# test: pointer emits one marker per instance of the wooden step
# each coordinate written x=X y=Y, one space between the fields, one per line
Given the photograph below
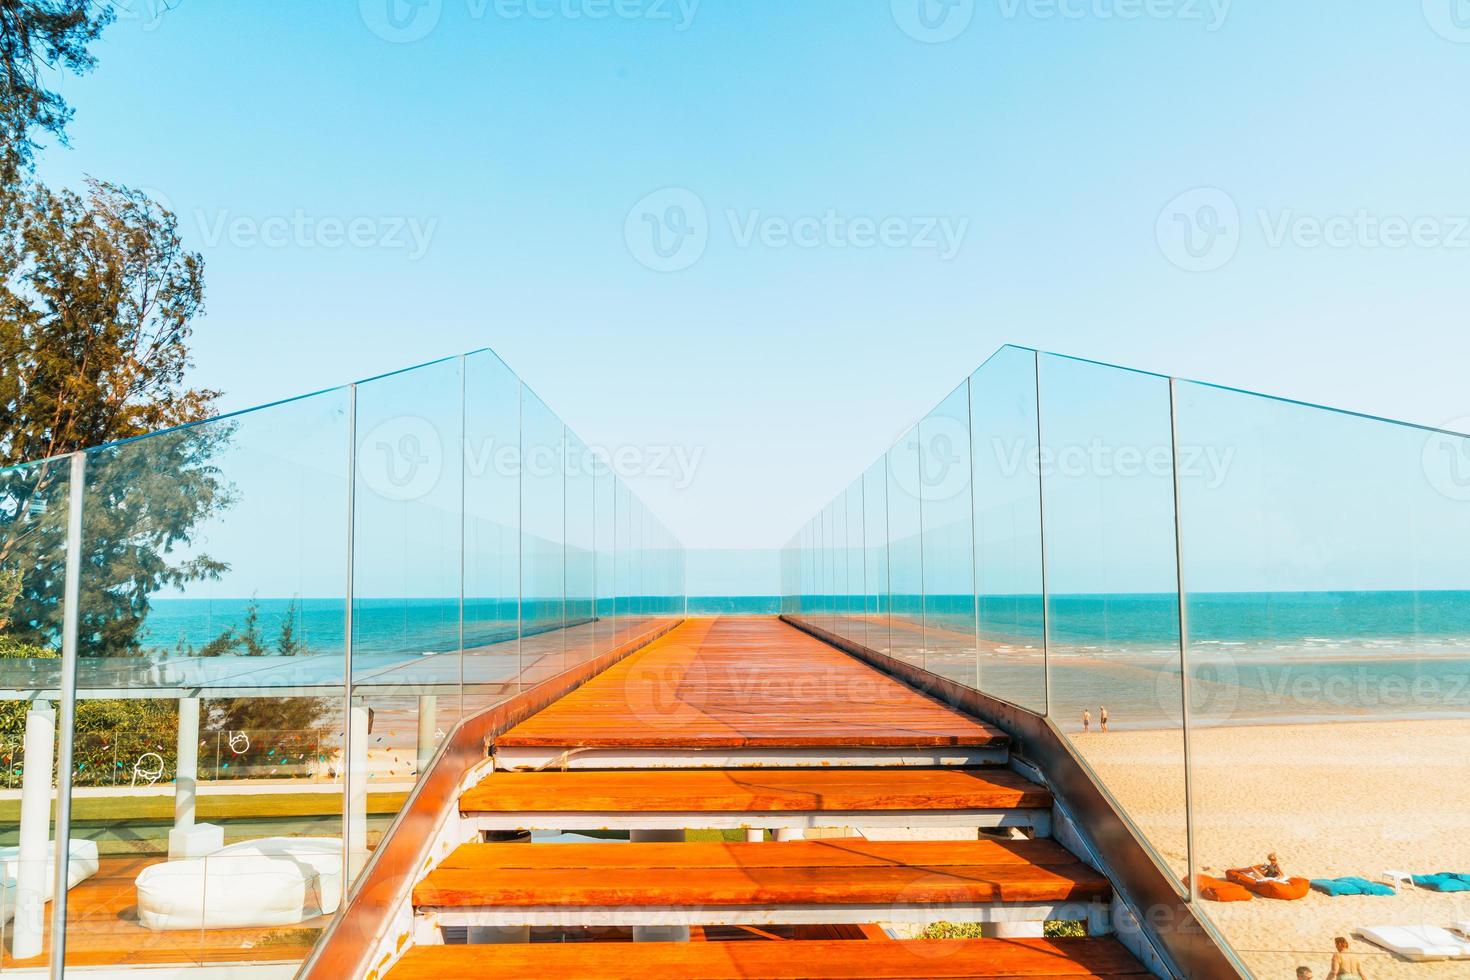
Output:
x=968 y=959
x=745 y=692
x=765 y=798
x=820 y=881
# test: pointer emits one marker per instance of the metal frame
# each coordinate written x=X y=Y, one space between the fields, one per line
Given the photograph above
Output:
x=1186 y=941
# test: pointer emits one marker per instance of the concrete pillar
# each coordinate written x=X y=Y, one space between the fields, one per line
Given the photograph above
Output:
x=790 y=833
x=659 y=934
x=754 y=836
x=1013 y=930
x=186 y=783
x=428 y=715
x=189 y=839
x=357 y=762
x=28 y=930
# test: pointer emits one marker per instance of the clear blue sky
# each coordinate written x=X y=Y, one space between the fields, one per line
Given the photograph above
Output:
x=519 y=144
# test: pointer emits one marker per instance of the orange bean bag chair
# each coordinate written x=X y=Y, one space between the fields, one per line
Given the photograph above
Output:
x=1220 y=890
x=1287 y=891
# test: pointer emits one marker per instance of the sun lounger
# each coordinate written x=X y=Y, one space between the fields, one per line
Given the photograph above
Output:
x=272 y=881
x=81 y=864
x=1338 y=887
x=1282 y=889
x=1418 y=943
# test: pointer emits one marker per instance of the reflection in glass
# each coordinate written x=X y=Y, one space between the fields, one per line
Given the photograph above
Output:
x=1113 y=604
x=948 y=539
x=1007 y=523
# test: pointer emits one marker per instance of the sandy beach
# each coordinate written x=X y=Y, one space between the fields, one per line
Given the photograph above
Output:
x=1332 y=799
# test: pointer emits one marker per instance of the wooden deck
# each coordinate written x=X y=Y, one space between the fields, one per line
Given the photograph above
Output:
x=754 y=791
x=975 y=959
x=740 y=683
x=759 y=875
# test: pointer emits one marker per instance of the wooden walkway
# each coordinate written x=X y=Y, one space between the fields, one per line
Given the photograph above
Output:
x=750 y=723
x=744 y=684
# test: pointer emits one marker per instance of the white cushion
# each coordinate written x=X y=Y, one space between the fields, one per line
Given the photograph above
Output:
x=82 y=863
x=272 y=881
x=1418 y=943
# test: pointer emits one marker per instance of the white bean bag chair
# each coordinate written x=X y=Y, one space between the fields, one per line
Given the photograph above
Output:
x=1419 y=943
x=81 y=864
x=273 y=881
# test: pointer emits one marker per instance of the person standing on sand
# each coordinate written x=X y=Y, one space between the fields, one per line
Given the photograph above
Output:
x=1086 y=720
x=1102 y=712
x=1345 y=965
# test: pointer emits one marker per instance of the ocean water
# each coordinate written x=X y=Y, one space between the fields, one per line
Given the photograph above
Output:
x=1253 y=656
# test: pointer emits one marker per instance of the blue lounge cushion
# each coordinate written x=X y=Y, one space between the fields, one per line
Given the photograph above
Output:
x=1335 y=887
x=1443 y=882
x=1338 y=887
x=1366 y=887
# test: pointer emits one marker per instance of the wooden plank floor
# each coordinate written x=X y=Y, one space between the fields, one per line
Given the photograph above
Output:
x=737 y=682
x=753 y=790
x=848 y=871
x=971 y=959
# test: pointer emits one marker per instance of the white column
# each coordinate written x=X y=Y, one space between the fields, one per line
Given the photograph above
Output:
x=790 y=833
x=28 y=930
x=357 y=761
x=428 y=715
x=754 y=836
x=186 y=783
x=189 y=839
x=658 y=934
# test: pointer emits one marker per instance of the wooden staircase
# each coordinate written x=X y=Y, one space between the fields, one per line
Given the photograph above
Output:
x=749 y=725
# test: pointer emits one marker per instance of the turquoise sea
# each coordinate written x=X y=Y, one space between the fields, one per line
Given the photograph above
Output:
x=1308 y=655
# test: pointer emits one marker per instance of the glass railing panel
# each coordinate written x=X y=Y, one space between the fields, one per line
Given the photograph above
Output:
x=1328 y=621
x=856 y=627
x=604 y=490
x=840 y=589
x=407 y=586
x=491 y=532
x=875 y=555
x=1006 y=488
x=905 y=551
x=543 y=541
x=946 y=517
x=1112 y=609
x=34 y=502
x=211 y=678
x=581 y=554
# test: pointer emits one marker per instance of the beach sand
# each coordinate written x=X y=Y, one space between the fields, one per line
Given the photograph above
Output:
x=1332 y=799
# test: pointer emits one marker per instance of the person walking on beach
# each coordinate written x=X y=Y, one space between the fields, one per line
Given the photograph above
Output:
x=1102 y=716
x=1304 y=973
x=1086 y=720
x=1345 y=965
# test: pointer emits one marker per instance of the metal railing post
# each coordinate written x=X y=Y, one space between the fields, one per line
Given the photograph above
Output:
x=67 y=714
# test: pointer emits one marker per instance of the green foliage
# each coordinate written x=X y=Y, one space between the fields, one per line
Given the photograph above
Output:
x=97 y=298
x=972 y=930
x=38 y=37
